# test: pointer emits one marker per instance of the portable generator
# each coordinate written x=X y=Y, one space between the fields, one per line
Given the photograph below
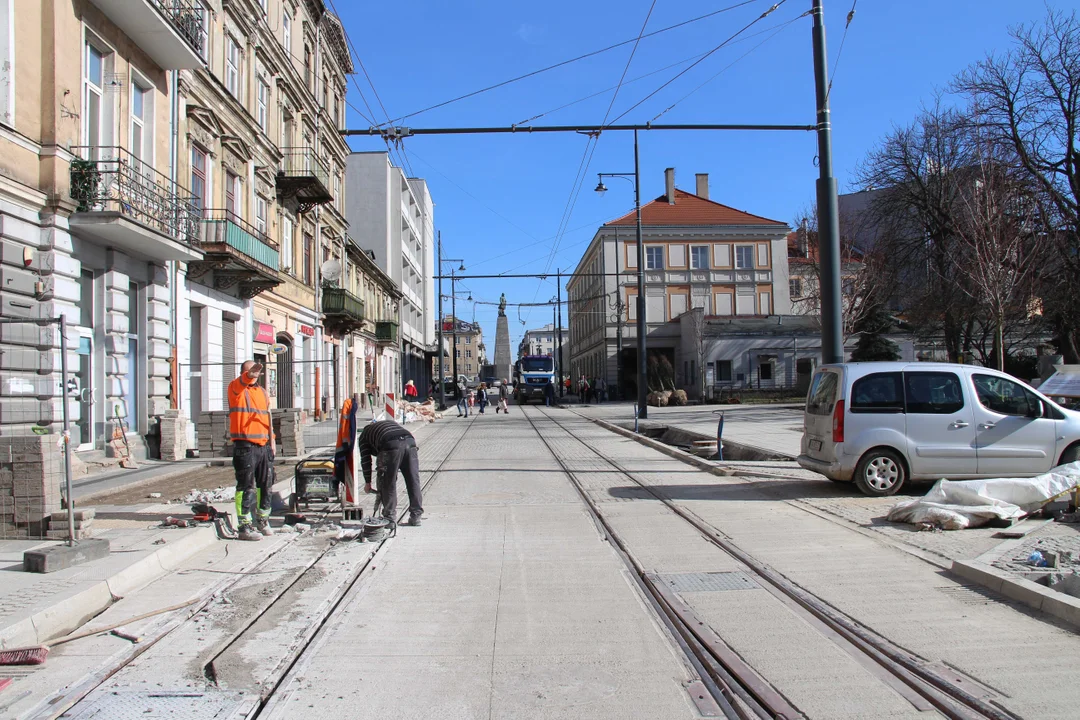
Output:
x=314 y=481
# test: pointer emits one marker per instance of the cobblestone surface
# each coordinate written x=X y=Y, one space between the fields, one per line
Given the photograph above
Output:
x=1053 y=537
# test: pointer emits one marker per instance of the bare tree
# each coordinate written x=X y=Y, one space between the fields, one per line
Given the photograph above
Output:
x=702 y=345
x=1028 y=99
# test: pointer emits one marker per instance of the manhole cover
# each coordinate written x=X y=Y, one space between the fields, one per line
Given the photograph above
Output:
x=128 y=705
x=709 y=582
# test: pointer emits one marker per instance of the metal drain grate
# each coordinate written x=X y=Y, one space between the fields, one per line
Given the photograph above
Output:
x=973 y=594
x=709 y=582
x=125 y=705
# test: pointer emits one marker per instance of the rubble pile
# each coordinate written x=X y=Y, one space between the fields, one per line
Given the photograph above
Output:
x=419 y=412
x=221 y=494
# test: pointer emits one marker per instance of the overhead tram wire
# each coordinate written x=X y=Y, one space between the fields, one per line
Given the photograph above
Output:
x=836 y=63
x=698 y=62
x=591 y=151
x=571 y=60
x=775 y=31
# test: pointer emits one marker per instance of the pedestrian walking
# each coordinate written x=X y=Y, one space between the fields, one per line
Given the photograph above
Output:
x=601 y=390
x=395 y=450
x=482 y=397
x=410 y=391
x=254 y=449
x=463 y=401
x=583 y=390
x=549 y=394
x=504 y=397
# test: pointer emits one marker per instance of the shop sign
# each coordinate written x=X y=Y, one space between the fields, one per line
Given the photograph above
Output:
x=305 y=330
x=264 y=332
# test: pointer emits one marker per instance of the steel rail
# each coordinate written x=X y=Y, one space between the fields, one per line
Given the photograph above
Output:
x=729 y=693
x=955 y=702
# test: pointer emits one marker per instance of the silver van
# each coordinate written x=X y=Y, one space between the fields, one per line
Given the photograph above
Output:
x=881 y=424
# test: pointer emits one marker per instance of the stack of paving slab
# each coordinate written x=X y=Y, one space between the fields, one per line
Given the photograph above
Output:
x=58 y=525
x=31 y=474
x=173 y=428
x=289 y=429
x=213 y=430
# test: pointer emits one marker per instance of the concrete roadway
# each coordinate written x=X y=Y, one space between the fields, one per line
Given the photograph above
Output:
x=508 y=603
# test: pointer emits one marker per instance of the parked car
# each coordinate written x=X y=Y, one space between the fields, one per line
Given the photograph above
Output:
x=882 y=424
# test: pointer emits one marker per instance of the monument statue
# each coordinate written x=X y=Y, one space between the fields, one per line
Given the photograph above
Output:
x=502 y=305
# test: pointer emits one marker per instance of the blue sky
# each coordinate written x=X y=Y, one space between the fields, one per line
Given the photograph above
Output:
x=502 y=200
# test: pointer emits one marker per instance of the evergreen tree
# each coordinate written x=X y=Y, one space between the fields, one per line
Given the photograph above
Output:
x=873 y=345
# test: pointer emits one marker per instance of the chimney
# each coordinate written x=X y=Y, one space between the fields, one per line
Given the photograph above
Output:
x=703 y=185
x=669 y=185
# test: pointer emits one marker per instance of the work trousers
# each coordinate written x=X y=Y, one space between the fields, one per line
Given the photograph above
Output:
x=399 y=455
x=253 y=467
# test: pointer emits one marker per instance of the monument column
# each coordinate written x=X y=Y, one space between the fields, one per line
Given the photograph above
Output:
x=503 y=361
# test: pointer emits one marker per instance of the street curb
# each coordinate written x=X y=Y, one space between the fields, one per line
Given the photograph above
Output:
x=71 y=612
x=1062 y=606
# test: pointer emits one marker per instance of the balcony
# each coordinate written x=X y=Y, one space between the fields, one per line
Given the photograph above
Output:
x=343 y=311
x=238 y=255
x=126 y=204
x=169 y=31
x=303 y=180
x=386 y=332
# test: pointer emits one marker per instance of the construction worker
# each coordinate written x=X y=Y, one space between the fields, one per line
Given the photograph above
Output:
x=395 y=448
x=254 y=449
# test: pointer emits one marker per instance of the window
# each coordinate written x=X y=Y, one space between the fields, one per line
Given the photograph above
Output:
x=699 y=257
x=457 y=352
x=198 y=176
x=262 y=95
x=93 y=105
x=765 y=368
x=933 y=393
x=260 y=214
x=723 y=371
x=744 y=257
x=468 y=353
x=142 y=130
x=654 y=258
x=232 y=67
x=287 y=245
x=1005 y=396
x=204 y=50
x=307 y=68
x=337 y=112
x=232 y=194
x=309 y=271
x=795 y=288
x=878 y=393
x=822 y=395
x=325 y=94
x=7 y=63
x=468 y=339
x=286 y=30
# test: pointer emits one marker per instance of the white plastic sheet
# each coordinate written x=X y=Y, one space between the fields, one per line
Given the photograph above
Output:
x=959 y=504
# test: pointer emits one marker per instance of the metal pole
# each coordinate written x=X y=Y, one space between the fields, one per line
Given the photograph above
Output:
x=442 y=365
x=643 y=369
x=453 y=330
x=69 y=499
x=558 y=296
x=832 y=333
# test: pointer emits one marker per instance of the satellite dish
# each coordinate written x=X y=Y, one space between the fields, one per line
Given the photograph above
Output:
x=279 y=348
x=331 y=270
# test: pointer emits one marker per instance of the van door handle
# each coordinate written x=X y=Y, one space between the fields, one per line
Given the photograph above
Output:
x=958 y=424
x=987 y=426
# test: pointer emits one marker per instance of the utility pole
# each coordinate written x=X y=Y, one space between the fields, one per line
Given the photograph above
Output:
x=442 y=365
x=453 y=330
x=643 y=367
x=832 y=334
x=558 y=297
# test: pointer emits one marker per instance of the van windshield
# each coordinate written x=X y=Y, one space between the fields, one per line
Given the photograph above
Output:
x=822 y=395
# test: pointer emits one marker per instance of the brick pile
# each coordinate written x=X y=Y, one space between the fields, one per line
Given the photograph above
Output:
x=289 y=429
x=58 y=525
x=213 y=430
x=31 y=475
x=173 y=428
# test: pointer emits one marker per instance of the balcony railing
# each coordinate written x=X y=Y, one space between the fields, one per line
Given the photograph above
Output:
x=338 y=301
x=386 y=331
x=303 y=179
x=303 y=162
x=221 y=227
x=111 y=179
x=186 y=16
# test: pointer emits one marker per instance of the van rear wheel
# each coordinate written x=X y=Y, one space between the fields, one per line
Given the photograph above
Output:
x=880 y=473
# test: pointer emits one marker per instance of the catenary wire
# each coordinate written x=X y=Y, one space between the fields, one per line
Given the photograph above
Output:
x=836 y=63
x=567 y=62
x=698 y=62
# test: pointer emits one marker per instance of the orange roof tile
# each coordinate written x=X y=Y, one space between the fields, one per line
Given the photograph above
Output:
x=690 y=209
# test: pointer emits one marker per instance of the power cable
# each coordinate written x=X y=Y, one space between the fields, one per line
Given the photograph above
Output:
x=567 y=62
x=836 y=63
x=776 y=32
x=698 y=62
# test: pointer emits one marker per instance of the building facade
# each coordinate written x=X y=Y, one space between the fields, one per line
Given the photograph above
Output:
x=697 y=254
x=391 y=215
x=540 y=341
x=468 y=353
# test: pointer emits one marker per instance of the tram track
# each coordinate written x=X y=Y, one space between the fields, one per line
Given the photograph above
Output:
x=737 y=688
x=67 y=703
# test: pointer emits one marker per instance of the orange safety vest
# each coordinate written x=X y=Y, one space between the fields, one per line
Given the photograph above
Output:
x=249 y=413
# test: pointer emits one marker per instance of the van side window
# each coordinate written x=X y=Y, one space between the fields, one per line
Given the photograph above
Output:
x=933 y=393
x=822 y=395
x=878 y=393
x=1004 y=396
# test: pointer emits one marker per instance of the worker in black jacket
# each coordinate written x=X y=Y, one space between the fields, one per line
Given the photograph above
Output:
x=395 y=448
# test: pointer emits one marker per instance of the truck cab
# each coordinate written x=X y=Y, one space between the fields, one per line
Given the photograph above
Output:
x=533 y=373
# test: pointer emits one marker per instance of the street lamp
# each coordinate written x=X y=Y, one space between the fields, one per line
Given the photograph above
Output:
x=618 y=308
x=453 y=330
x=643 y=389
